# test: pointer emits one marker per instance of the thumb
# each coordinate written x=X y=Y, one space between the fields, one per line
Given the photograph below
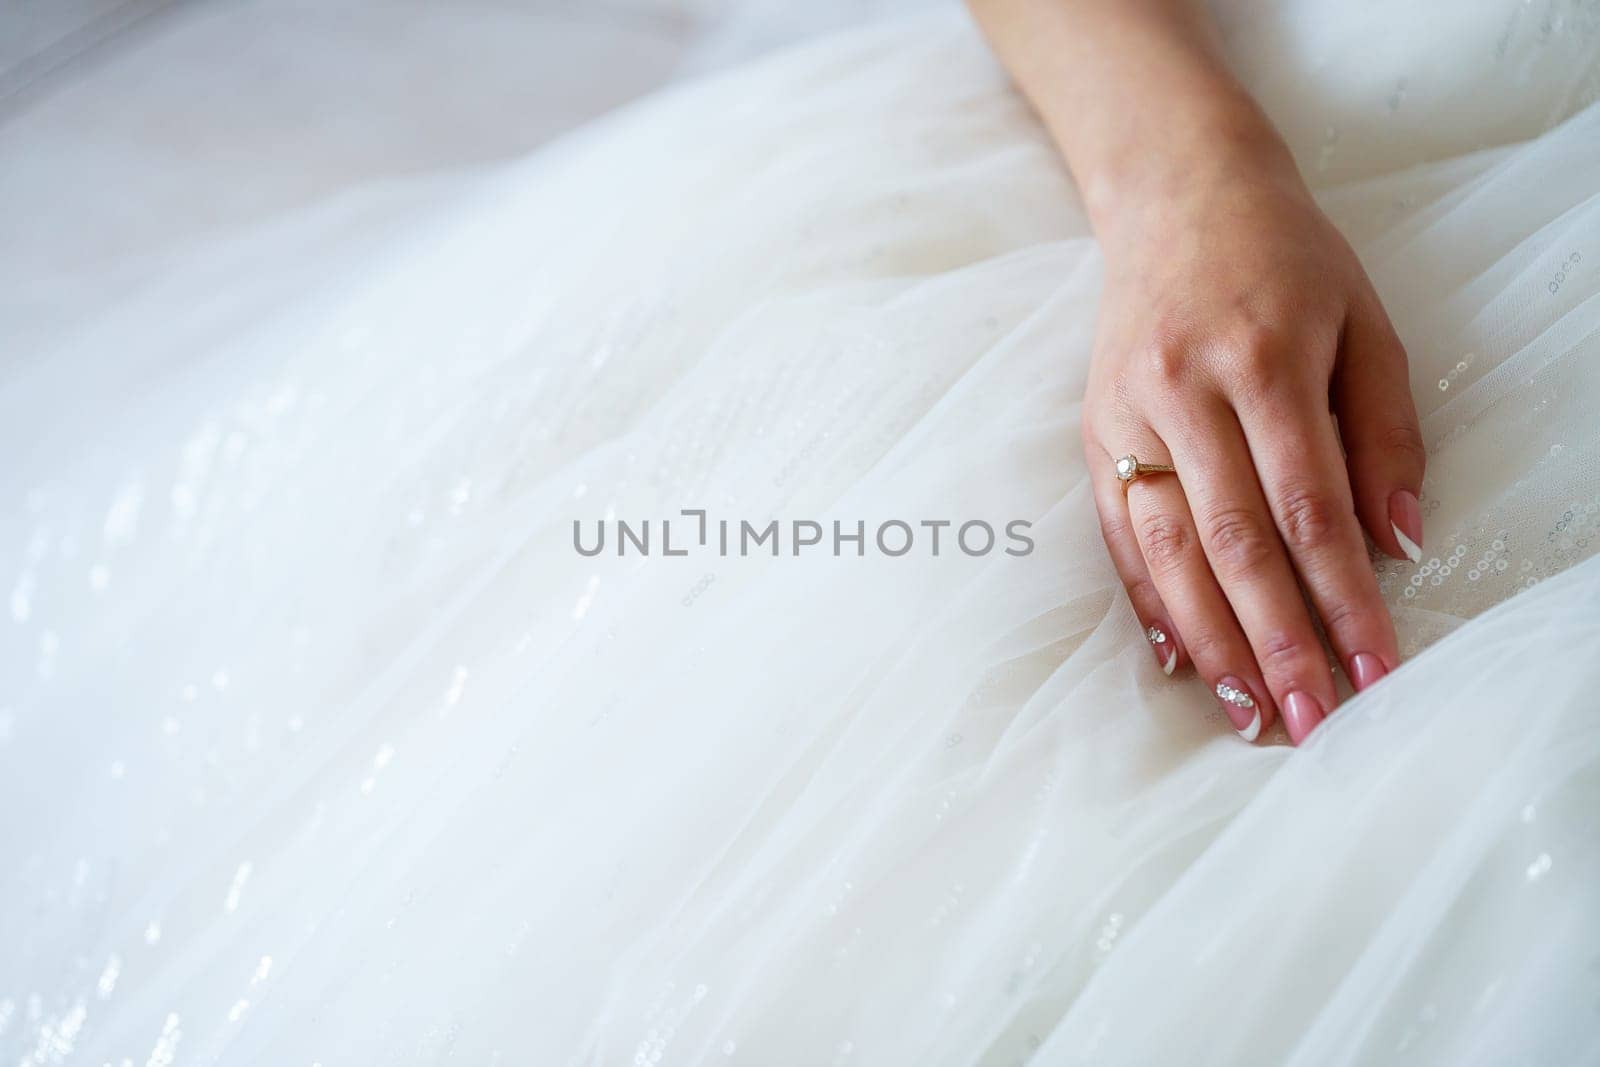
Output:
x=1378 y=425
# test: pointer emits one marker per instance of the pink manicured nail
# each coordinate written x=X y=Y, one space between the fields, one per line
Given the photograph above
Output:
x=1240 y=707
x=1405 y=519
x=1301 y=714
x=1164 y=643
x=1365 y=668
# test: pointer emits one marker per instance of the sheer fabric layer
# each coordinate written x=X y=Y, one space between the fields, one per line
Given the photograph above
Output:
x=324 y=745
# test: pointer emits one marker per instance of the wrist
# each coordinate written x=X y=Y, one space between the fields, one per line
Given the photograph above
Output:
x=1189 y=147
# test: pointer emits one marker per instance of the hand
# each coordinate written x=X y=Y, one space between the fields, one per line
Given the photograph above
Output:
x=1235 y=327
x=1234 y=317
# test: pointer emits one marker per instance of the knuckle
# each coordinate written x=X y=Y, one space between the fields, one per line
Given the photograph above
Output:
x=1404 y=440
x=1259 y=389
x=1114 y=528
x=1310 y=520
x=1165 y=540
x=1268 y=368
x=1238 y=540
x=1343 y=614
x=1257 y=351
x=1209 y=647
x=1165 y=363
x=1279 y=651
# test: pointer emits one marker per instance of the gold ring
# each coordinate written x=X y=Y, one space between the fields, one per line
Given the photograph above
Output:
x=1129 y=469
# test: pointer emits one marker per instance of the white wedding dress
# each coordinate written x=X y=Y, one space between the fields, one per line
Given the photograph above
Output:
x=320 y=744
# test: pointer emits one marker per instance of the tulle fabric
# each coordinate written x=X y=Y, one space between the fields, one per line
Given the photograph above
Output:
x=323 y=745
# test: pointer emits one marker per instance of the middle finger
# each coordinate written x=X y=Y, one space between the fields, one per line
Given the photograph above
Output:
x=1249 y=560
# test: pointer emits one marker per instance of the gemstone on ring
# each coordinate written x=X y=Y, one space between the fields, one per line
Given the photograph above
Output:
x=1127 y=468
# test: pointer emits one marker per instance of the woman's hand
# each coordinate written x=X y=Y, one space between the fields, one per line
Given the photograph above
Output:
x=1239 y=342
x=1233 y=315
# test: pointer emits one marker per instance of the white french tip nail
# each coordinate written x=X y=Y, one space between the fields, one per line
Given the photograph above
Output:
x=1253 y=731
x=1171 y=664
x=1408 y=546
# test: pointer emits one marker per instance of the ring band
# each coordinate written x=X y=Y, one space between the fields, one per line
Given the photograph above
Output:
x=1129 y=469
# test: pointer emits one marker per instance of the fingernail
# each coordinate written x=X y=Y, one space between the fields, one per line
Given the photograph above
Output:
x=1301 y=714
x=1365 y=668
x=1240 y=707
x=1164 y=645
x=1405 y=519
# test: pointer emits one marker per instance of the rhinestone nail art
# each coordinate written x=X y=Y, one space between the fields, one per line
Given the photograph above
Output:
x=1241 y=708
x=1237 y=697
x=1166 y=651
